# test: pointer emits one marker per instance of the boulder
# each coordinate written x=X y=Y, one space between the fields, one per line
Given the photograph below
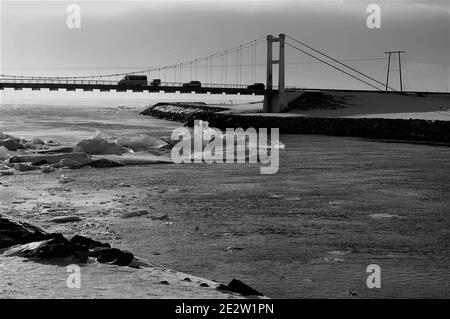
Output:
x=25 y=240
x=67 y=149
x=82 y=158
x=239 y=287
x=56 y=247
x=21 y=167
x=112 y=256
x=14 y=232
x=65 y=219
x=104 y=162
x=67 y=162
x=11 y=144
x=84 y=244
x=47 y=169
x=134 y=213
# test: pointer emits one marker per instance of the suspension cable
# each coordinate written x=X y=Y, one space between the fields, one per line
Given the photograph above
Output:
x=337 y=61
x=335 y=67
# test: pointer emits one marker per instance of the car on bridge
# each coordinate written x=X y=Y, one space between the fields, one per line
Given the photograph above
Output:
x=256 y=86
x=155 y=82
x=192 y=84
x=133 y=80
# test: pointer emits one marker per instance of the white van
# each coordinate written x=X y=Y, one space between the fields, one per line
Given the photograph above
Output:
x=133 y=80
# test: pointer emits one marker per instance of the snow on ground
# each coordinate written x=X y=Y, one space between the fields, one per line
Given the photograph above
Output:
x=372 y=104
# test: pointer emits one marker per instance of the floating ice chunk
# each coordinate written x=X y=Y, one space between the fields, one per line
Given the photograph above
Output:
x=100 y=144
x=143 y=142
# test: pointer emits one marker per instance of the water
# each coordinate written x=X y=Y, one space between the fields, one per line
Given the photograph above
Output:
x=336 y=206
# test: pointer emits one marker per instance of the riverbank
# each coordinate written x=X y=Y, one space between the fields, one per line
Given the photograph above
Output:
x=34 y=257
x=417 y=130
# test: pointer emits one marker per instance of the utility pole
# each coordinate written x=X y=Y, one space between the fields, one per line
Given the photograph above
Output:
x=398 y=52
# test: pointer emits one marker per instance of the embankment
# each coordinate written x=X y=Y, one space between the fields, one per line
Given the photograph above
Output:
x=376 y=128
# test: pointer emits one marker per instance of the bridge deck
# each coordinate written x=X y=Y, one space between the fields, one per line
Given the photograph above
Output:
x=134 y=88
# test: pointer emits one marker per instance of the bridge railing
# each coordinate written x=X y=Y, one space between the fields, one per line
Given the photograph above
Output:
x=109 y=82
x=56 y=81
x=69 y=81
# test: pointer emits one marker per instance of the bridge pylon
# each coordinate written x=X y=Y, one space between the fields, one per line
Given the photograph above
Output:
x=275 y=103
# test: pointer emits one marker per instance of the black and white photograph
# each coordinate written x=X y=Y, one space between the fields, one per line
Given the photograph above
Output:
x=231 y=153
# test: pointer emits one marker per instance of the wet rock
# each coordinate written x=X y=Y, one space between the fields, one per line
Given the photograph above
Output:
x=112 y=256
x=82 y=158
x=160 y=217
x=104 y=162
x=66 y=162
x=65 y=219
x=14 y=232
x=21 y=167
x=134 y=214
x=84 y=244
x=239 y=287
x=47 y=169
x=25 y=240
x=57 y=247
x=124 y=185
x=11 y=144
x=67 y=149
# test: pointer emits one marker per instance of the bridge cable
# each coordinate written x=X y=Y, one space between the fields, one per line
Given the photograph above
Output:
x=329 y=64
x=339 y=62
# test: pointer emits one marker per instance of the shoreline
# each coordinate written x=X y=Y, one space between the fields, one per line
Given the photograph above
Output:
x=408 y=130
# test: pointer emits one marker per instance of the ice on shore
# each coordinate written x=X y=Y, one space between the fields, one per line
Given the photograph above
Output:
x=100 y=144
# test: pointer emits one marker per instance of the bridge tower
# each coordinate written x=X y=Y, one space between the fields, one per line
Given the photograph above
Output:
x=275 y=103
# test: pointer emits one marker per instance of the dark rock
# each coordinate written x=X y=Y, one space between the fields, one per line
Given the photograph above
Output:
x=14 y=233
x=112 y=255
x=104 y=162
x=164 y=282
x=11 y=144
x=240 y=288
x=187 y=279
x=85 y=244
x=40 y=163
x=203 y=284
x=68 y=149
x=57 y=247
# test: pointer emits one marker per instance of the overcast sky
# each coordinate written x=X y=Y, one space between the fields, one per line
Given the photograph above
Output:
x=118 y=36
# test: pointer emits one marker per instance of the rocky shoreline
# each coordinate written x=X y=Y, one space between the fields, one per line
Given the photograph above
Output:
x=21 y=239
x=376 y=128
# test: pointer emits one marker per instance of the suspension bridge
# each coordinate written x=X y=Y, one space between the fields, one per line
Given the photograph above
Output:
x=220 y=73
